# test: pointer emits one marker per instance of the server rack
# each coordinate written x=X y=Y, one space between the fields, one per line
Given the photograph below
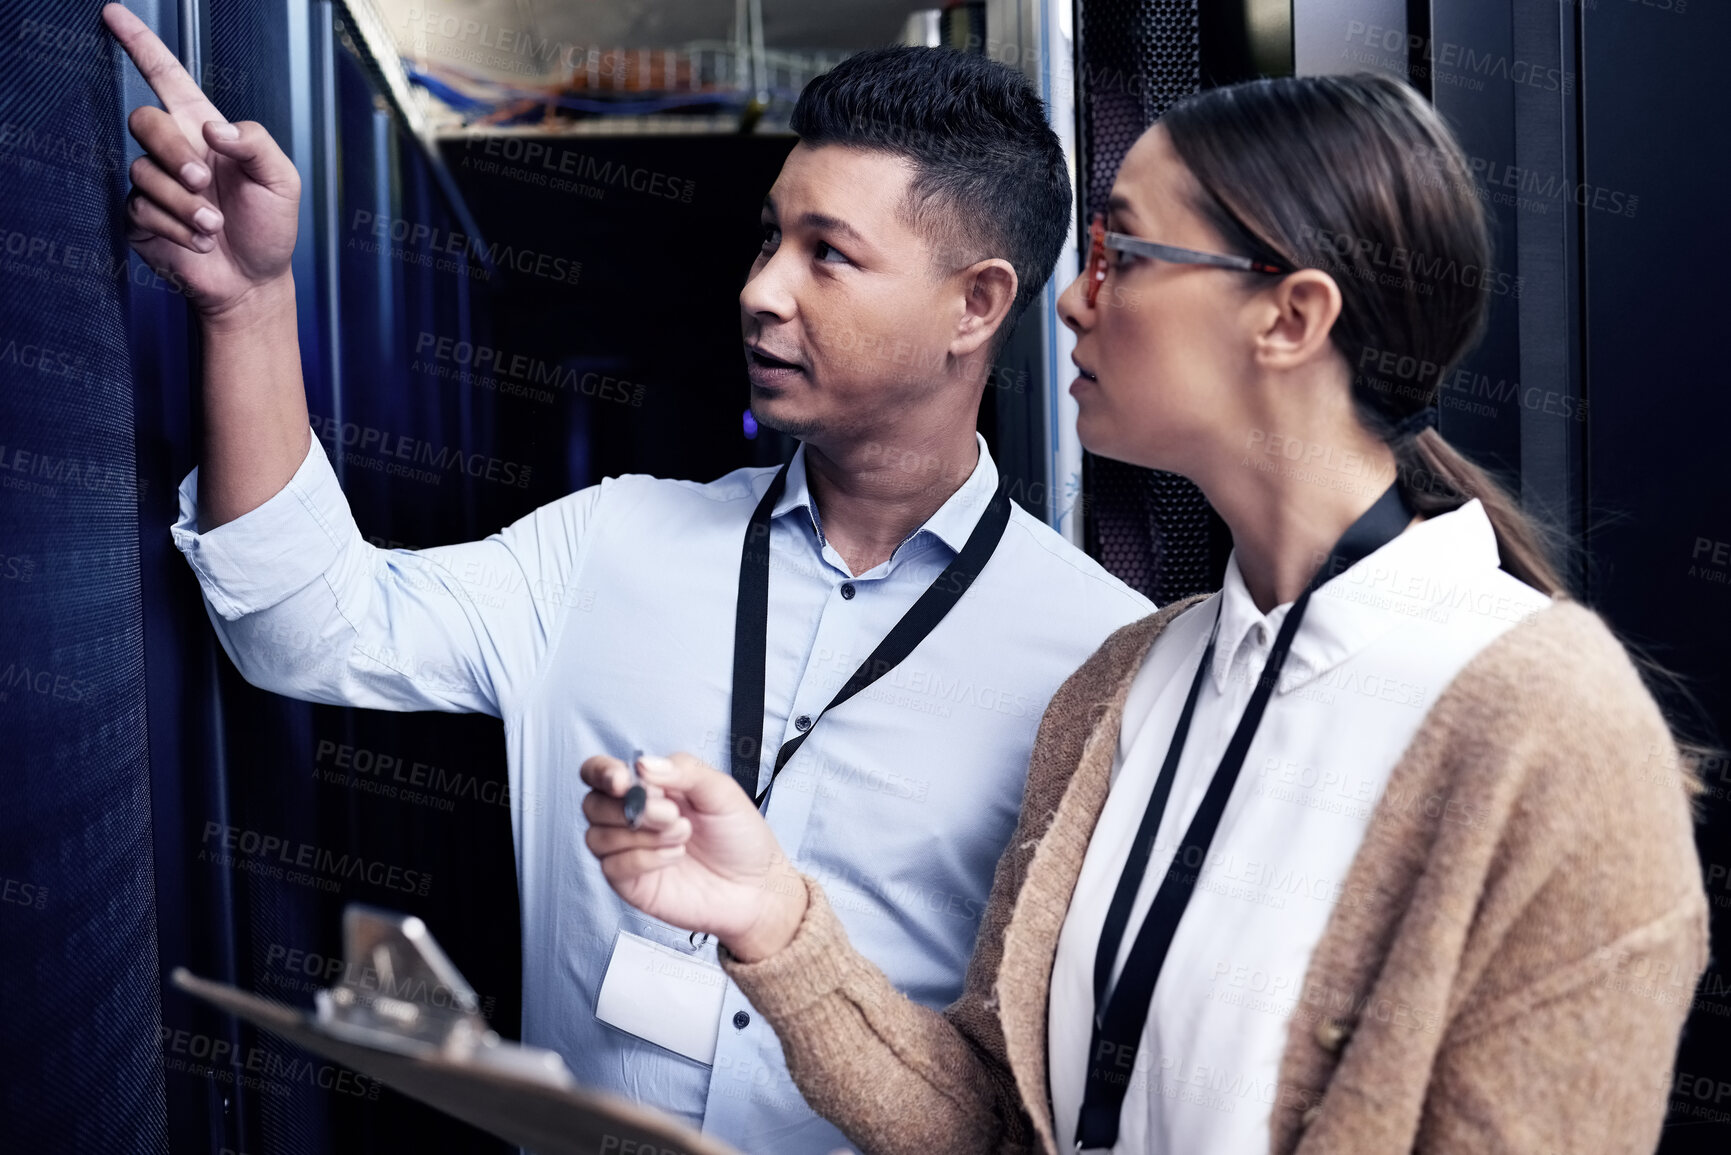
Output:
x=1599 y=400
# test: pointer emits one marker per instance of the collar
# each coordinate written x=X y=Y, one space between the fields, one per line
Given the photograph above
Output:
x=1408 y=578
x=951 y=524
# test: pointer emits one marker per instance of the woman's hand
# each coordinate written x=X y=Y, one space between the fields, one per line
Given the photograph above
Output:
x=214 y=205
x=702 y=858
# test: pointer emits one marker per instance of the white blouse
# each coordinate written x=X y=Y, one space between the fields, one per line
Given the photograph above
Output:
x=1377 y=645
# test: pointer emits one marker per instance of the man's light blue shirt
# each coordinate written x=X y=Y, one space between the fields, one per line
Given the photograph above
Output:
x=602 y=623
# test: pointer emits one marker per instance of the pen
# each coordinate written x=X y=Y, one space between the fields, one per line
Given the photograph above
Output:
x=636 y=797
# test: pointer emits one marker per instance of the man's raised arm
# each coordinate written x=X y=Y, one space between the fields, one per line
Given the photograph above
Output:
x=301 y=603
x=213 y=209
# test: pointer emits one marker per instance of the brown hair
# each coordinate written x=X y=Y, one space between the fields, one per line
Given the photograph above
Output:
x=1358 y=175
x=1354 y=175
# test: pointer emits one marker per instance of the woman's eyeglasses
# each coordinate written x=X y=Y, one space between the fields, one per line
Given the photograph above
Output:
x=1101 y=240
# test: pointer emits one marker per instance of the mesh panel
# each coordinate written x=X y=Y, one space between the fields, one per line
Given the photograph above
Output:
x=1138 y=57
x=245 y=74
x=1151 y=529
x=243 y=69
x=80 y=1068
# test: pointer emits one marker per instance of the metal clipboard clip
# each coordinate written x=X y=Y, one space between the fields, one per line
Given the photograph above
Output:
x=399 y=992
x=404 y=1015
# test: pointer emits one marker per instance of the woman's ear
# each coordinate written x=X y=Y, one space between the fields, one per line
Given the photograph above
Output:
x=1294 y=319
x=989 y=289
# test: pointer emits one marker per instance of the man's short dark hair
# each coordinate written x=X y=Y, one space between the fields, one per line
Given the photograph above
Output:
x=990 y=178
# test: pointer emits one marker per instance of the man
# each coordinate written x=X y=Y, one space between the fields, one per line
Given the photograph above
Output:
x=922 y=210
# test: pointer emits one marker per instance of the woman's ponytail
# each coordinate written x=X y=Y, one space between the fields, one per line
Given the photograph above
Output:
x=1358 y=176
x=1436 y=477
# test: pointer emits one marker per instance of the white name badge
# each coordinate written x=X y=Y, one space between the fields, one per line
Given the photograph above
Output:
x=668 y=997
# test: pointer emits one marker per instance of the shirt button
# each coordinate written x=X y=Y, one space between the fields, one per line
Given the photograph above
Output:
x=741 y=1020
x=802 y=723
x=847 y=591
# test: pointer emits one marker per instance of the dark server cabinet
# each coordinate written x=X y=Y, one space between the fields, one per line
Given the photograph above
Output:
x=1656 y=515
x=1595 y=134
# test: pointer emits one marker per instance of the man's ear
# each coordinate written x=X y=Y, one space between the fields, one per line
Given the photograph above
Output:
x=989 y=289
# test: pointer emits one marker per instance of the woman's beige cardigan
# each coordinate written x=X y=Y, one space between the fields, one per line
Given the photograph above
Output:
x=1508 y=968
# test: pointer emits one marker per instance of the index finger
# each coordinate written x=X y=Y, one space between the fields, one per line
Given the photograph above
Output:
x=178 y=91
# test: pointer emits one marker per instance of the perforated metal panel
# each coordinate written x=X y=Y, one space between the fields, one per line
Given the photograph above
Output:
x=1151 y=529
x=1138 y=57
x=80 y=1065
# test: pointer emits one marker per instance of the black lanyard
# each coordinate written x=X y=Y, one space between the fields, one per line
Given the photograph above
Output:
x=1118 y=1023
x=751 y=625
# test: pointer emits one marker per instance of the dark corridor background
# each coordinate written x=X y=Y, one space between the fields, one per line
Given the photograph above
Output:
x=132 y=746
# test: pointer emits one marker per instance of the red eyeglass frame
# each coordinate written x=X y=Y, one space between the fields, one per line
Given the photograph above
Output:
x=1099 y=240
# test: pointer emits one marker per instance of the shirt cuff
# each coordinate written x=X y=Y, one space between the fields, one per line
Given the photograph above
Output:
x=269 y=553
x=815 y=963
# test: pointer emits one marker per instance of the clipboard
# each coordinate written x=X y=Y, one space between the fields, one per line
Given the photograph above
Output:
x=405 y=1016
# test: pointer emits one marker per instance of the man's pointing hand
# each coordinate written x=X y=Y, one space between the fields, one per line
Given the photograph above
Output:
x=213 y=205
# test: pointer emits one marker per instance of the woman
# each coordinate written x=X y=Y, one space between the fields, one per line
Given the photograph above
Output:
x=1363 y=853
